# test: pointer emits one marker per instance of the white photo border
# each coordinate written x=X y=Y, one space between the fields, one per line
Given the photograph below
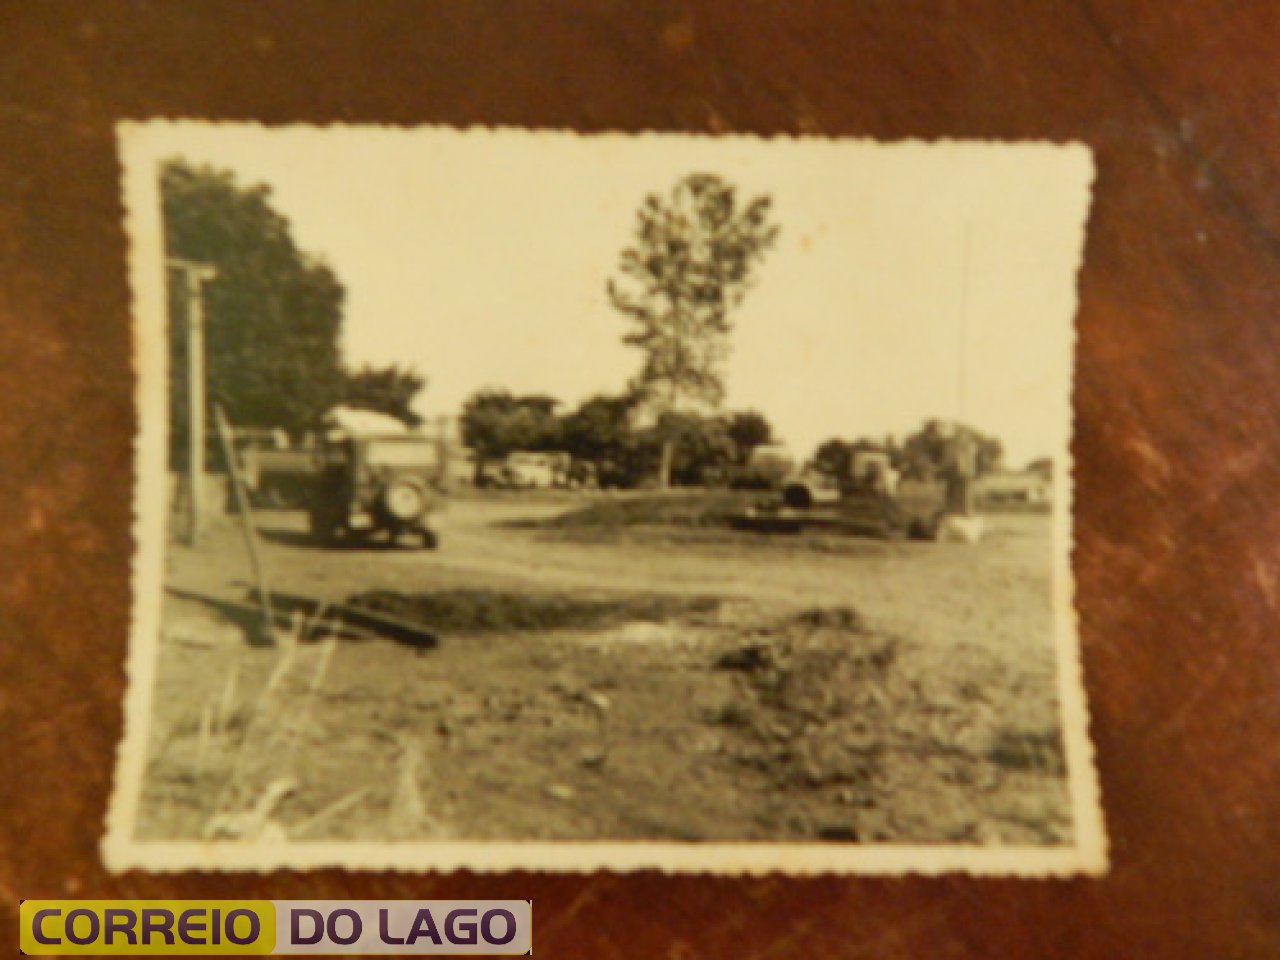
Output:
x=143 y=145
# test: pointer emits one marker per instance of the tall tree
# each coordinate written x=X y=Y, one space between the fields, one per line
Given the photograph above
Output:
x=390 y=390
x=692 y=259
x=273 y=315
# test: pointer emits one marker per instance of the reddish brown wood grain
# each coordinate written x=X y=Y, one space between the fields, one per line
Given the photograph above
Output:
x=1177 y=459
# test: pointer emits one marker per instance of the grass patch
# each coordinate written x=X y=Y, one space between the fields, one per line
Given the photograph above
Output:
x=691 y=510
x=1026 y=750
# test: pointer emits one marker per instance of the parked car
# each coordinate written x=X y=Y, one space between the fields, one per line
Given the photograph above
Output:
x=527 y=470
x=378 y=484
x=531 y=470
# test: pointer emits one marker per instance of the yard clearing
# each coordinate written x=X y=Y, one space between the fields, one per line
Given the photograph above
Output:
x=637 y=676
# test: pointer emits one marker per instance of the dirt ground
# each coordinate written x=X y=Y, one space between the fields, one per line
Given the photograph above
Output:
x=630 y=682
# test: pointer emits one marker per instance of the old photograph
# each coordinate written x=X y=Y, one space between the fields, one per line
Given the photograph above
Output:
x=530 y=499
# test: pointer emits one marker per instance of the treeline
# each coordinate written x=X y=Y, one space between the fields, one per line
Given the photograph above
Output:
x=604 y=431
x=273 y=314
x=927 y=454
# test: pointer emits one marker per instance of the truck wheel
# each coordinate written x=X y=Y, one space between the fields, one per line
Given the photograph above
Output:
x=430 y=539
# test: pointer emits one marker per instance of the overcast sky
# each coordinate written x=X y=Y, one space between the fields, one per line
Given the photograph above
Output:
x=480 y=258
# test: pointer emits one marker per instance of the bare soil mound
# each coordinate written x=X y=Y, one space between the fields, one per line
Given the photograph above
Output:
x=832 y=711
x=481 y=611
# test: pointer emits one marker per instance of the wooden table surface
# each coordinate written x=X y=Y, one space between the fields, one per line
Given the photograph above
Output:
x=1178 y=532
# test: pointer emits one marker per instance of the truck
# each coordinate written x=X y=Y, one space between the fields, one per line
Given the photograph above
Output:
x=369 y=485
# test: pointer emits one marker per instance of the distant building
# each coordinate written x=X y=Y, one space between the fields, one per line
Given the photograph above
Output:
x=1028 y=487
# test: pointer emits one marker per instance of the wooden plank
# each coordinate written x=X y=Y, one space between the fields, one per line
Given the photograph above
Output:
x=369 y=621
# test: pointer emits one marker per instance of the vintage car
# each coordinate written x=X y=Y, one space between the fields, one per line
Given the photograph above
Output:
x=527 y=470
x=531 y=470
x=368 y=485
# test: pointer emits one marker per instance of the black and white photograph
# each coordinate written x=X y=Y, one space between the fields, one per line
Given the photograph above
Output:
x=514 y=499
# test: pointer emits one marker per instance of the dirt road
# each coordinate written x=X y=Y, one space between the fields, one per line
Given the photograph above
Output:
x=995 y=594
x=839 y=689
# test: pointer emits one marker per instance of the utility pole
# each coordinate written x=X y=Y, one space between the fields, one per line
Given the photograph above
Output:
x=964 y=447
x=961 y=384
x=194 y=276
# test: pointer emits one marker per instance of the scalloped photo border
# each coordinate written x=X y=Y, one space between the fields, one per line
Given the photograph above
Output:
x=143 y=145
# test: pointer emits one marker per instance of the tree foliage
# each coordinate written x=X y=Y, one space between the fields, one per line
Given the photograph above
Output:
x=930 y=452
x=600 y=429
x=601 y=432
x=273 y=315
x=834 y=457
x=927 y=454
x=692 y=259
x=494 y=423
x=390 y=390
x=704 y=452
x=748 y=430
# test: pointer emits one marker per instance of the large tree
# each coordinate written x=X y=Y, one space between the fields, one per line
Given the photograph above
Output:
x=273 y=315
x=692 y=259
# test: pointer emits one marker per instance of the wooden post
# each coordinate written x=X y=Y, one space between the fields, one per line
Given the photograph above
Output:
x=246 y=522
x=193 y=277
x=964 y=465
x=444 y=447
x=195 y=393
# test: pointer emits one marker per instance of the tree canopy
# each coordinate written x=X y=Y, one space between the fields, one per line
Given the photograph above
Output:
x=273 y=315
x=390 y=390
x=748 y=430
x=691 y=261
x=494 y=423
x=929 y=452
x=603 y=431
x=926 y=454
x=600 y=429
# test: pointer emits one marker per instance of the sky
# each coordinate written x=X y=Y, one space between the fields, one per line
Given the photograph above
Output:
x=909 y=280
